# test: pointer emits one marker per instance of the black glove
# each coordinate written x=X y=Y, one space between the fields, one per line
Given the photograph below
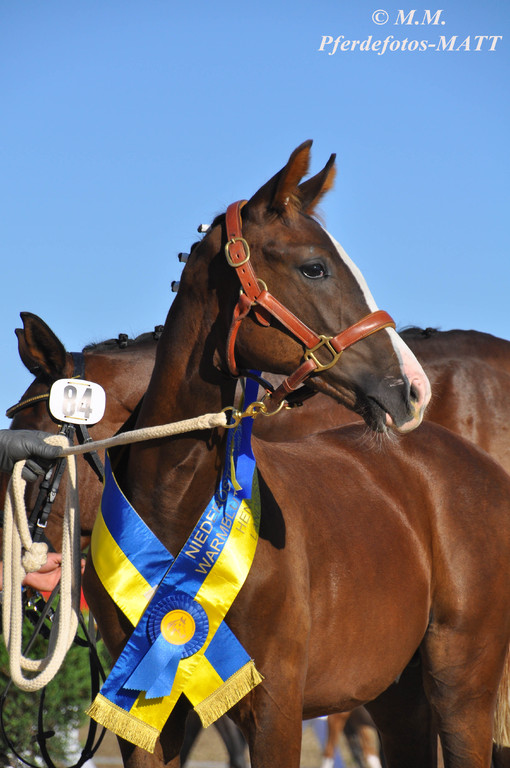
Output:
x=18 y=444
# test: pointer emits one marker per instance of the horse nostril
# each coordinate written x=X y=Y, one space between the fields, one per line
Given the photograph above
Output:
x=419 y=392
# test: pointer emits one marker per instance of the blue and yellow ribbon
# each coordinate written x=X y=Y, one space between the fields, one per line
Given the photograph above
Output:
x=180 y=644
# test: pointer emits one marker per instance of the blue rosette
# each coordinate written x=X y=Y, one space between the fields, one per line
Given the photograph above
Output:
x=177 y=627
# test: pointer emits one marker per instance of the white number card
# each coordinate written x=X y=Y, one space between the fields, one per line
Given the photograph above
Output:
x=75 y=401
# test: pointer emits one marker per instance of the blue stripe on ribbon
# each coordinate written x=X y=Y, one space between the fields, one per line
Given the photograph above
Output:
x=225 y=653
x=134 y=537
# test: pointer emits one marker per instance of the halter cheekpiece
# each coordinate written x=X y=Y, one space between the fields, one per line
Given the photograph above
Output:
x=255 y=295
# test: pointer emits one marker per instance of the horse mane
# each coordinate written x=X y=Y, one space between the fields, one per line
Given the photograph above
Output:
x=123 y=341
x=414 y=331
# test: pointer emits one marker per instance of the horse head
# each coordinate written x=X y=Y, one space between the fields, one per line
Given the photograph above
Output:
x=299 y=287
x=110 y=364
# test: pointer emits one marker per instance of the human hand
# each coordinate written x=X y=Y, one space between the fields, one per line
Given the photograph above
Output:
x=18 y=444
x=48 y=576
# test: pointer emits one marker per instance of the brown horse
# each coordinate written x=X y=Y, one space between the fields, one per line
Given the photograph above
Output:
x=470 y=376
x=469 y=372
x=404 y=541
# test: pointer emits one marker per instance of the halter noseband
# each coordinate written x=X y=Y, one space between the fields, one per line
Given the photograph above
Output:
x=254 y=295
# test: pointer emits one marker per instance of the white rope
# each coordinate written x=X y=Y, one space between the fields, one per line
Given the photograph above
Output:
x=21 y=555
x=207 y=421
x=17 y=539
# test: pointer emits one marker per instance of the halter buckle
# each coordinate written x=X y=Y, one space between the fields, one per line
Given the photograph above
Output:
x=325 y=341
x=246 y=247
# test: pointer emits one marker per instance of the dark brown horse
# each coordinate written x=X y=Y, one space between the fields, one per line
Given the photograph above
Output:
x=405 y=541
x=121 y=366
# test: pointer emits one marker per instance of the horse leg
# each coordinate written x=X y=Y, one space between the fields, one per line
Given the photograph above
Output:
x=191 y=731
x=168 y=747
x=336 y=724
x=353 y=736
x=370 y=746
x=271 y=722
x=229 y=732
x=135 y=757
x=233 y=740
x=361 y=724
x=403 y=717
x=463 y=667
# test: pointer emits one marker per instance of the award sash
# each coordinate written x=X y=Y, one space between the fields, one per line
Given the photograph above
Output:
x=180 y=644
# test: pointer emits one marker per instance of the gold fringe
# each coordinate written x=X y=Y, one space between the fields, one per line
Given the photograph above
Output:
x=123 y=723
x=232 y=691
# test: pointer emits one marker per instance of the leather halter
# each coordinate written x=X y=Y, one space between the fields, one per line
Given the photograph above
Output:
x=255 y=295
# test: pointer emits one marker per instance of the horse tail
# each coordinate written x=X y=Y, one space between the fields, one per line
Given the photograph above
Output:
x=502 y=713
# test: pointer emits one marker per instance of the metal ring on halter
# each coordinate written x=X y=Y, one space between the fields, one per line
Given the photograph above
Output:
x=282 y=405
x=262 y=285
x=325 y=341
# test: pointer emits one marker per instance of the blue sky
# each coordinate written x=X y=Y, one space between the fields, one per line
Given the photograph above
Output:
x=125 y=124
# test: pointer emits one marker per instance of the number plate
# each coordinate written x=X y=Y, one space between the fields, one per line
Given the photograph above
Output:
x=75 y=401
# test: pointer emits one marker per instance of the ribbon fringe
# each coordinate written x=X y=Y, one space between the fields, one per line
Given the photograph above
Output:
x=224 y=698
x=122 y=723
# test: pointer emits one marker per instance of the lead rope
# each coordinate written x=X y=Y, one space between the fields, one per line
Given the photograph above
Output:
x=17 y=538
x=16 y=565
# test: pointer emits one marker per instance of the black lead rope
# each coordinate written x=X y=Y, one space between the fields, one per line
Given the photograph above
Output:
x=97 y=676
x=92 y=458
x=48 y=490
x=49 y=487
x=82 y=432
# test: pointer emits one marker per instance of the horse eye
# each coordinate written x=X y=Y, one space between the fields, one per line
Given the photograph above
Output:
x=314 y=270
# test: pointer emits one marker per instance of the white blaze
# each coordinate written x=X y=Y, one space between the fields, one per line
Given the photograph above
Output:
x=409 y=365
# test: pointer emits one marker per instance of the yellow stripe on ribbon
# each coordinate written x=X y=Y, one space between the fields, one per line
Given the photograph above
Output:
x=124 y=583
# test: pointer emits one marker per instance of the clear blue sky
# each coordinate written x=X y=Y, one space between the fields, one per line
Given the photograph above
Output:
x=126 y=123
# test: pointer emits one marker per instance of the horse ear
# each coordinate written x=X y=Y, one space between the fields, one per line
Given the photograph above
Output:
x=280 y=194
x=313 y=190
x=40 y=350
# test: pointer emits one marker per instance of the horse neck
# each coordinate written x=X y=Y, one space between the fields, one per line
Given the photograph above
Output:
x=124 y=374
x=170 y=481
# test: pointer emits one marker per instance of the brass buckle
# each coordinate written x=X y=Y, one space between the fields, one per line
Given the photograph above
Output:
x=324 y=342
x=246 y=247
